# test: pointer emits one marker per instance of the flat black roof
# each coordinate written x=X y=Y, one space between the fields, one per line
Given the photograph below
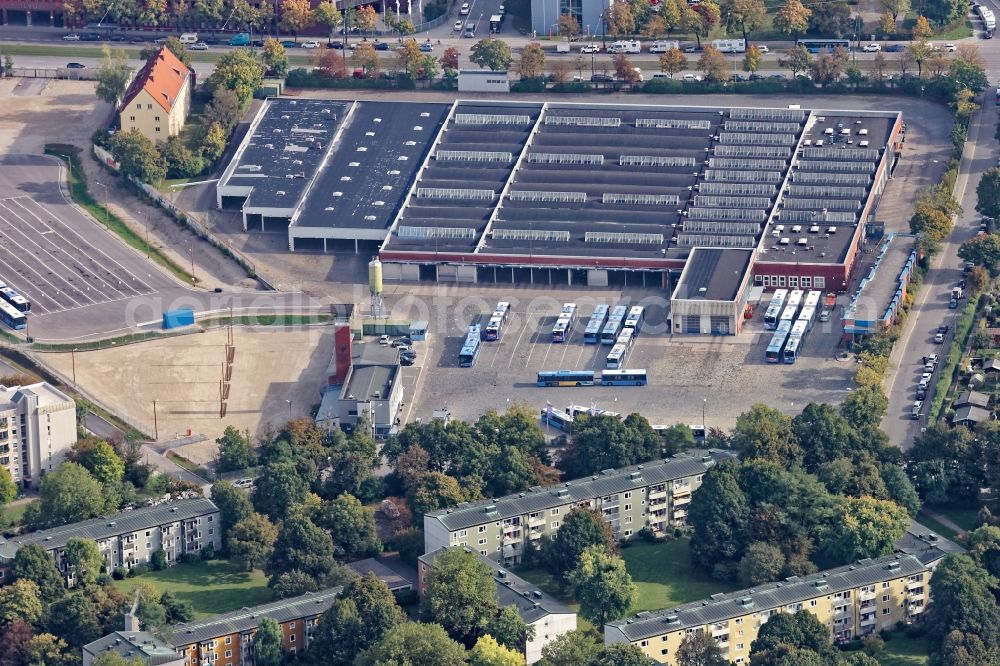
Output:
x=367 y=176
x=285 y=149
x=713 y=274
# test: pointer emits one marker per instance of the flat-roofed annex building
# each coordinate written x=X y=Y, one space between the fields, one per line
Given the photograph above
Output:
x=654 y=495
x=854 y=600
x=37 y=430
x=130 y=538
x=549 y=617
x=712 y=292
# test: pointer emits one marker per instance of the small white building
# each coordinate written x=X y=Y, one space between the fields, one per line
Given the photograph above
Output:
x=483 y=80
x=37 y=429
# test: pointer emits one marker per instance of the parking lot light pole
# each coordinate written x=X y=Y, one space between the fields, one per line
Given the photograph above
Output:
x=107 y=209
x=704 y=404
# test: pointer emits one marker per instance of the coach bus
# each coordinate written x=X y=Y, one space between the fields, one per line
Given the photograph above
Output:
x=824 y=45
x=777 y=344
x=497 y=322
x=623 y=345
x=623 y=378
x=808 y=315
x=12 y=317
x=470 y=349
x=566 y=378
x=592 y=334
x=614 y=325
x=812 y=299
x=556 y=419
x=636 y=315
x=15 y=299
x=794 y=344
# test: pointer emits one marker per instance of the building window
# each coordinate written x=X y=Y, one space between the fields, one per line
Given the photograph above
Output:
x=132 y=118
x=554 y=512
x=555 y=524
x=819 y=282
x=628 y=507
x=157 y=129
x=628 y=495
x=628 y=519
x=482 y=528
x=885 y=597
x=482 y=542
x=665 y=651
x=138 y=106
x=229 y=640
x=291 y=625
x=643 y=643
x=781 y=280
x=229 y=653
x=806 y=282
x=739 y=646
x=885 y=585
x=813 y=603
x=149 y=106
x=291 y=639
x=793 y=280
x=886 y=611
x=156 y=118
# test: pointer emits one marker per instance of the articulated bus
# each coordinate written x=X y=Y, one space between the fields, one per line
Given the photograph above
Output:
x=792 y=347
x=635 y=317
x=562 y=329
x=623 y=378
x=808 y=315
x=788 y=314
x=17 y=300
x=470 y=349
x=558 y=420
x=592 y=334
x=623 y=345
x=777 y=344
x=824 y=45
x=566 y=378
x=12 y=317
x=772 y=316
x=498 y=320
x=593 y=410
x=614 y=325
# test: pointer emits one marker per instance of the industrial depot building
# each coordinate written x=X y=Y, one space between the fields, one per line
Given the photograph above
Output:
x=556 y=193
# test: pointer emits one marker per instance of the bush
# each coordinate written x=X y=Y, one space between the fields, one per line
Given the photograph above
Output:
x=139 y=570
x=158 y=560
x=532 y=85
x=373 y=489
x=648 y=535
x=207 y=553
x=188 y=558
x=302 y=78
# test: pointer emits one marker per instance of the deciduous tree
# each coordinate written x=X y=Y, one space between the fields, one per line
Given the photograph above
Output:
x=982 y=251
x=567 y=25
x=673 y=61
x=113 y=76
x=714 y=65
x=963 y=601
x=491 y=53
x=267 y=643
x=580 y=529
x=358 y=619
x=239 y=71
x=895 y=8
x=745 y=16
x=461 y=595
x=274 y=57
x=327 y=15
x=571 y=649
x=74 y=618
x=366 y=58
x=624 y=69
x=84 y=560
x=753 y=59
x=988 y=193
x=700 y=649
x=351 y=524
x=302 y=547
x=531 y=63
x=793 y=18
x=762 y=563
x=69 y=494
x=719 y=513
x=764 y=432
x=21 y=600
x=865 y=407
x=296 y=16
x=414 y=643
x=278 y=489
x=449 y=59
x=251 y=541
x=602 y=585
x=922 y=30
x=487 y=652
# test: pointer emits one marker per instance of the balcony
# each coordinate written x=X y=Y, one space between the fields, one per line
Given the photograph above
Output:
x=867 y=620
x=536 y=520
x=913 y=584
x=868 y=604
x=915 y=596
x=535 y=533
x=680 y=514
x=682 y=501
x=866 y=594
x=679 y=490
x=661 y=501
x=656 y=494
x=511 y=537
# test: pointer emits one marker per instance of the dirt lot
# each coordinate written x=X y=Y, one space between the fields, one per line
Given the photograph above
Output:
x=271 y=367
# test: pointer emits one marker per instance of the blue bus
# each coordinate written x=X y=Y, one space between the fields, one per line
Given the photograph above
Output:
x=558 y=420
x=635 y=318
x=497 y=322
x=566 y=378
x=793 y=347
x=15 y=299
x=812 y=299
x=623 y=345
x=624 y=378
x=12 y=317
x=614 y=325
x=777 y=344
x=470 y=348
x=824 y=45
x=592 y=334
x=808 y=315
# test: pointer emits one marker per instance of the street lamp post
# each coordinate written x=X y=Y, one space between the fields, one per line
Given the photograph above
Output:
x=107 y=209
x=704 y=404
x=289 y=408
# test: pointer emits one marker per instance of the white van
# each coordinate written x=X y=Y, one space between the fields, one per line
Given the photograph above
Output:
x=663 y=45
x=626 y=46
x=189 y=38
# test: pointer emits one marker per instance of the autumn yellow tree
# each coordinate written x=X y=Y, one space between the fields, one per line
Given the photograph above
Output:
x=753 y=59
x=366 y=58
x=531 y=62
x=365 y=18
x=673 y=61
x=567 y=25
x=713 y=64
x=296 y=15
x=922 y=29
x=792 y=18
x=886 y=24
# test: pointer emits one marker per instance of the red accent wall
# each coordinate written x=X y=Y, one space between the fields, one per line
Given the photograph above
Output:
x=341 y=353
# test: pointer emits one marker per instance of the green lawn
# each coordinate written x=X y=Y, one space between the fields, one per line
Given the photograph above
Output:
x=925 y=519
x=662 y=572
x=964 y=518
x=903 y=651
x=211 y=587
x=11 y=516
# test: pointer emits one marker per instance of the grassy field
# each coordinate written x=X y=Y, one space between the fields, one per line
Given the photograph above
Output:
x=662 y=572
x=964 y=518
x=11 y=516
x=930 y=522
x=212 y=587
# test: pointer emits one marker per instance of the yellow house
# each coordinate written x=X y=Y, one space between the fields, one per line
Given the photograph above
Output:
x=159 y=99
x=854 y=600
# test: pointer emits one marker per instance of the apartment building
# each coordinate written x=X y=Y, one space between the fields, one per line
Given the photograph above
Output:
x=549 y=617
x=37 y=429
x=855 y=600
x=158 y=100
x=147 y=648
x=655 y=495
x=130 y=538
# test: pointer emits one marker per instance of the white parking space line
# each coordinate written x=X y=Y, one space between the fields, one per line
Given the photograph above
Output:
x=92 y=246
x=35 y=305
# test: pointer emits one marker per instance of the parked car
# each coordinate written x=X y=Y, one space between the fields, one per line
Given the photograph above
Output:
x=872 y=48
x=75 y=65
x=824 y=315
x=988 y=34
x=950 y=48
x=402 y=349
x=426 y=47
x=763 y=48
x=895 y=48
x=939 y=338
x=464 y=10
x=383 y=339
x=71 y=38
x=917 y=407
x=310 y=44
x=405 y=340
x=289 y=43
x=690 y=48
x=931 y=358
x=953 y=304
x=382 y=46
x=691 y=77
x=601 y=78
x=406 y=361
x=90 y=37
x=198 y=46
x=335 y=45
x=590 y=48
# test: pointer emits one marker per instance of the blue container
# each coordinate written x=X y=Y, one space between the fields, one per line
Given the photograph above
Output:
x=178 y=318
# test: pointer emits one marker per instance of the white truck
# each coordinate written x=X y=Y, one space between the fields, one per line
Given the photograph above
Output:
x=562 y=46
x=987 y=16
x=626 y=46
x=730 y=45
x=663 y=45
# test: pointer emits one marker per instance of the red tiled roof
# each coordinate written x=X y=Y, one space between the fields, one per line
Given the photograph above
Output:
x=162 y=76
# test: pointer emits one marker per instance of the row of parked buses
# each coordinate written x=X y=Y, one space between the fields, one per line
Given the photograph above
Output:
x=798 y=314
x=13 y=308
x=479 y=332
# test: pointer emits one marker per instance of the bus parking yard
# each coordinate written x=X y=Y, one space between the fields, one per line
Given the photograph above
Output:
x=686 y=375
